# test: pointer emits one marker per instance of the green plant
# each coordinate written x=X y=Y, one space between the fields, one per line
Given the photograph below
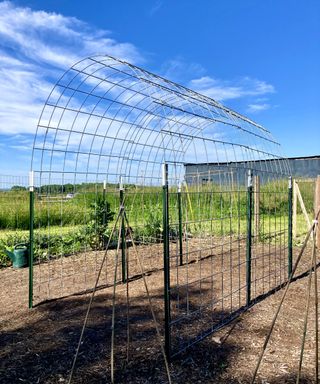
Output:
x=151 y=230
x=47 y=245
x=96 y=231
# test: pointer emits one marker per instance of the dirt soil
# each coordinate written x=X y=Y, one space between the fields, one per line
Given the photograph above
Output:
x=38 y=345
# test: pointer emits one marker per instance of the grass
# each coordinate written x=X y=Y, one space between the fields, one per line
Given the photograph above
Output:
x=54 y=230
x=66 y=225
x=57 y=240
x=211 y=200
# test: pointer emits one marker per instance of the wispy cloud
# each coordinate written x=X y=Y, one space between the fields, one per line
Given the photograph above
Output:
x=35 y=46
x=180 y=70
x=222 y=90
x=253 y=108
x=155 y=8
x=56 y=39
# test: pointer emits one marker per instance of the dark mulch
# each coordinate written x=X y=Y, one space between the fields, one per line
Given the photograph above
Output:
x=38 y=345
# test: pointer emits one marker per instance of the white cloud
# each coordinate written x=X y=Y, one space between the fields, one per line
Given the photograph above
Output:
x=221 y=90
x=35 y=49
x=258 y=107
x=155 y=8
x=35 y=46
x=56 y=39
x=179 y=70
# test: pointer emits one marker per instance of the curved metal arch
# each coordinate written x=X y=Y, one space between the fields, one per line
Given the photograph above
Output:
x=140 y=120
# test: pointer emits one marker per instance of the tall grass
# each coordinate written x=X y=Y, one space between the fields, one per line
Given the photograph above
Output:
x=199 y=202
x=61 y=224
x=14 y=210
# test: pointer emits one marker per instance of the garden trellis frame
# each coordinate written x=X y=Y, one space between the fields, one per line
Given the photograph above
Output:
x=107 y=122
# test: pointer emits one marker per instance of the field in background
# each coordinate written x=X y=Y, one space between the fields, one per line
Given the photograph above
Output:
x=65 y=215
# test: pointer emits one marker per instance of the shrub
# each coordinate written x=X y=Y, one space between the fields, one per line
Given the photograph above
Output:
x=93 y=235
x=96 y=231
x=151 y=231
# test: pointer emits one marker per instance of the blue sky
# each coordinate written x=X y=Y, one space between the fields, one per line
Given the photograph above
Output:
x=261 y=58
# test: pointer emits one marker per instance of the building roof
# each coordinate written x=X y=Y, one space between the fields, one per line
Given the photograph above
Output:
x=256 y=161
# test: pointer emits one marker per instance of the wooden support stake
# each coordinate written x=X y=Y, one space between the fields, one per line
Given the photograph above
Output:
x=303 y=208
x=289 y=227
x=316 y=207
x=256 y=205
x=294 y=210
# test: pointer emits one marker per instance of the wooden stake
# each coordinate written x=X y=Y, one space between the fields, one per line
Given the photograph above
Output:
x=287 y=285
x=303 y=208
x=314 y=250
x=316 y=207
x=306 y=314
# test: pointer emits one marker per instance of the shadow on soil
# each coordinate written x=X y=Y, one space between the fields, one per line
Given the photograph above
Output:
x=42 y=350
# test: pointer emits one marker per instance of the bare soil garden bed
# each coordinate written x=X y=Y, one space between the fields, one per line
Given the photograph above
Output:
x=38 y=345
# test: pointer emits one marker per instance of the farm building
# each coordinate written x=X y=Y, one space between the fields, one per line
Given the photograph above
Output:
x=300 y=167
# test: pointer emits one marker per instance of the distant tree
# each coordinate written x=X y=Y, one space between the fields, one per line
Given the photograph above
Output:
x=18 y=188
x=57 y=188
x=68 y=188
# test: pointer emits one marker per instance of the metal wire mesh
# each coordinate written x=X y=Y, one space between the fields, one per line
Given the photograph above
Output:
x=108 y=122
x=14 y=224
x=13 y=203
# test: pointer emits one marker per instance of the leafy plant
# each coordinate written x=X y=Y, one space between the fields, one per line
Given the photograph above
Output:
x=96 y=231
x=151 y=231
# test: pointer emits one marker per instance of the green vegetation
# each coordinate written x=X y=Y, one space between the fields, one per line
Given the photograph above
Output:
x=151 y=230
x=96 y=232
x=67 y=225
x=46 y=245
x=49 y=210
x=57 y=241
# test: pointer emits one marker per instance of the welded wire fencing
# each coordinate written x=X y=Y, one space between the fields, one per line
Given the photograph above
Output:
x=204 y=190
x=14 y=214
x=225 y=267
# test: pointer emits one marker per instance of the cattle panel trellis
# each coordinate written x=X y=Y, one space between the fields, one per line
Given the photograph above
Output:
x=113 y=137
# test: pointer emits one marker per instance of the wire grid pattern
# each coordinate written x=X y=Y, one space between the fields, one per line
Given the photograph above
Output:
x=14 y=202
x=14 y=223
x=307 y=188
x=210 y=287
x=107 y=122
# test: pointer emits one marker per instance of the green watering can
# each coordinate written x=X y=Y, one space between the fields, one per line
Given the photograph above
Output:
x=19 y=256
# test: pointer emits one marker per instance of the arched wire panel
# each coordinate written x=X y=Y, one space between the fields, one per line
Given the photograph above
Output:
x=107 y=121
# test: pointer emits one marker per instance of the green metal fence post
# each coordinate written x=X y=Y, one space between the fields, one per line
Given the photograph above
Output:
x=104 y=202
x=249 y=237
x=31 y=221
x=166 y=261
x=180 y=224
x=123 y=234
x=104 y=214
x=290 y=194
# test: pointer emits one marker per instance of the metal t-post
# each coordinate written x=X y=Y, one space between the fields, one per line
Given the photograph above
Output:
x=104 y=203
x=249 y=237
x=166 y=261
x=180 y=224
x=290 y=194
x=123 y=234
x=31 y=220
x=104 y=210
